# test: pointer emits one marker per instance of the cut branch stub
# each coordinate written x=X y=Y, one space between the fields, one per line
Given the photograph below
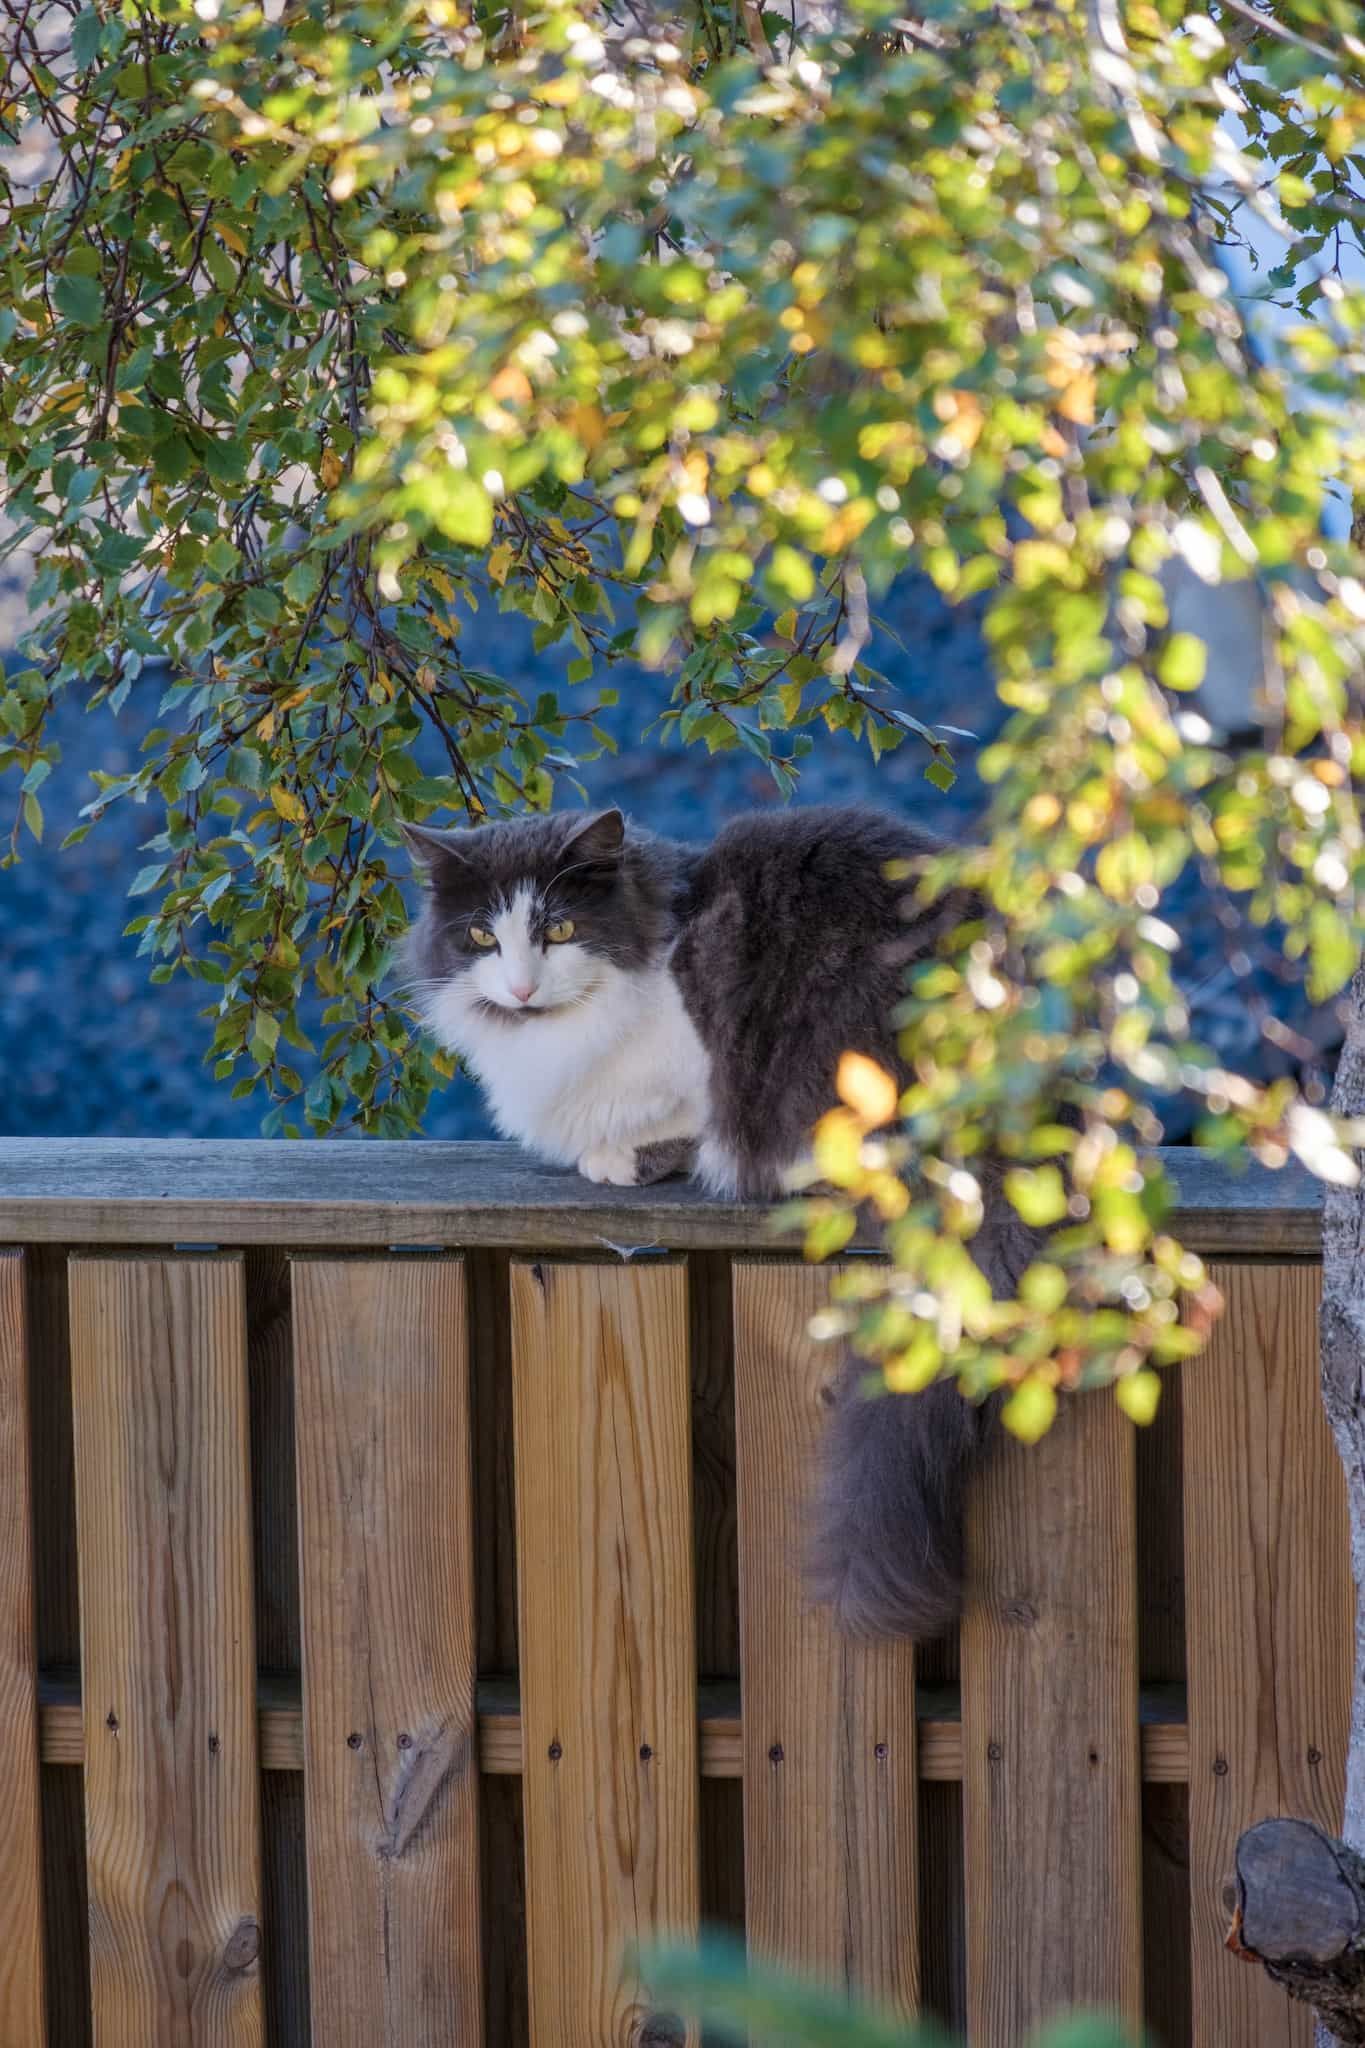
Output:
x=1300 y=1912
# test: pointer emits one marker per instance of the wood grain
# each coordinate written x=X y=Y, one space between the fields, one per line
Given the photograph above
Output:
x=23 y=2020
x=1050 y=1729
x=158 y=1355
x=387 y=1581
x=371 y=1194
x=831 y=1853
x=608 y=1659
x=1268 y=1598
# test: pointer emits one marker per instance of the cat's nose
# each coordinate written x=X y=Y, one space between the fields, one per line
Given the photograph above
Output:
x=523 y=994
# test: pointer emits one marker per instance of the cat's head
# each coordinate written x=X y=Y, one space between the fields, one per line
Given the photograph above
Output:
x=533 y=916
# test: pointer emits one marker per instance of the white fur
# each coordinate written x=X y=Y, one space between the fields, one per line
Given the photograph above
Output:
x=615 y=1064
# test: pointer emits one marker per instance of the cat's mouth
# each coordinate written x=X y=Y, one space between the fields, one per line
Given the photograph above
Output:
x=518 y=1014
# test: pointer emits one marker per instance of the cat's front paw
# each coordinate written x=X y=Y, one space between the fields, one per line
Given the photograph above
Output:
x=612 y=1164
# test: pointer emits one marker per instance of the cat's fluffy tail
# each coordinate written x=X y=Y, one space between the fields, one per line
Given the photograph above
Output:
x=889 y=1522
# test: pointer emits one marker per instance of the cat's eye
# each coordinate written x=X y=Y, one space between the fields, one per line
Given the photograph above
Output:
x=479 y=935
x=558 y=933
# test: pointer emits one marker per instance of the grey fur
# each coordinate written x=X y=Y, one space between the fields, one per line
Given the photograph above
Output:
x=789 y=944
x=661 y=1161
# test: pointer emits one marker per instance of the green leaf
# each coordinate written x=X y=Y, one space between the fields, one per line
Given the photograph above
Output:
x=79 y=299
x=464 y=510
x=86 y=31
x=791 y=574
x=1038 y=1193
x=1030 y=1410
x=1183 y=661
x=219 y=265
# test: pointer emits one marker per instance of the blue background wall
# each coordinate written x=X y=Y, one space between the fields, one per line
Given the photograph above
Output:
x=91 y=1049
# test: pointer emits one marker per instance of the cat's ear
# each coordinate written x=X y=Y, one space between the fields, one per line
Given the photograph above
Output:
x=433 y=851
x=598 y=843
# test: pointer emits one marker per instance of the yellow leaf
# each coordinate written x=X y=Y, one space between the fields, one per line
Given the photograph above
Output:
x=1031 y=1409
x=915 y=1368
x=839 y=1146
x=890 y=1195
x=588 y=424
x=1077 y=401
x=287 y=804
x=1137 y=1394
x=500 y=561
x=867 y=1089
x=329 y=469
x=231 y=237
x=65 y=398
x=511 y=385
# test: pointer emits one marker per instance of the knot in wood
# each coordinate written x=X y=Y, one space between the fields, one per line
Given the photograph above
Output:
x=1019 y=1613
x=776 y=1753
x=243 y=1947
x=1220 y=1767
x=354 y=1739
x=645 y=1752
x=994 y=1752
x=555 y=1751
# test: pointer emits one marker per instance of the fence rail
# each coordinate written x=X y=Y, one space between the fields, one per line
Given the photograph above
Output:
x=401 y=1614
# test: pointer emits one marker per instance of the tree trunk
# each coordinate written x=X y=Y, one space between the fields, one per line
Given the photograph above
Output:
x=1301 y=1913
x=1343 y=1380
x=1313 y=1871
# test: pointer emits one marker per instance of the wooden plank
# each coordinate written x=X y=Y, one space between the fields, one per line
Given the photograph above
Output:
x=1050 y=1729
x=608 y=1659
x=23 y=2017
x=1268 y=1598
x=831 y=1855
x=158 y=1356
x=387 y=1579
x=338 y=1193
x=1165 y=1741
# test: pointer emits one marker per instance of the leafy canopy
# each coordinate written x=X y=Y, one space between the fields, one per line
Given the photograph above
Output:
x=683 y=334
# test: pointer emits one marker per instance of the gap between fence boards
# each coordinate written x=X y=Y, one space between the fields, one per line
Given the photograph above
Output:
x=1161 y=1726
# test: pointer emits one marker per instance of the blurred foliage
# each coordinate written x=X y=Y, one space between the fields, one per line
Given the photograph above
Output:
x=717 y=1985
x=683 y=334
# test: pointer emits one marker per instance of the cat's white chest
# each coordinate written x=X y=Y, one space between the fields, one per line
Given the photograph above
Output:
x=624 y=1068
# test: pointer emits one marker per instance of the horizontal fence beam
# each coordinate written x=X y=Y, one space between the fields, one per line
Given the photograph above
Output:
x=1164 y=1738
x=374 y=1195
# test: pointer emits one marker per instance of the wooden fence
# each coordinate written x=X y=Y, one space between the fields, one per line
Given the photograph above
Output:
x=399 y=1613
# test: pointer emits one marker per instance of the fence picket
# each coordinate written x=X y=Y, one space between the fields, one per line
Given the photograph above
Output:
x=608 y=1659
x=829 y=1725
x=23 y=2021
x=1268 y=1600
x=1050 y=1730
x=158 y=1356
x=381 y=1383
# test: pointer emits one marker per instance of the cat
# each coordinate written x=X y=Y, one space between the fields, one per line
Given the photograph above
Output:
x=631 y=1005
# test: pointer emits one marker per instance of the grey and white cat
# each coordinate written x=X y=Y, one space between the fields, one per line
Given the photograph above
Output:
x=629 y=1004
